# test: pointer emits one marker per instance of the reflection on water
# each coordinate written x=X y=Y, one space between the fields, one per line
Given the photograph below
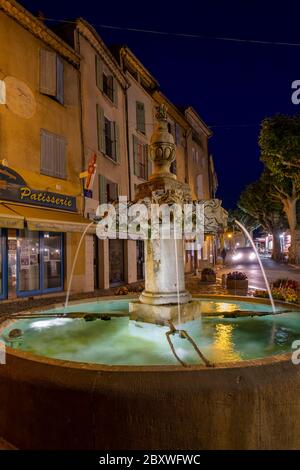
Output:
x=223 y=342
x=120 y=341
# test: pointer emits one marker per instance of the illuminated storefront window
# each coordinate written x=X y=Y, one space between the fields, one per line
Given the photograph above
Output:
x=31 y=263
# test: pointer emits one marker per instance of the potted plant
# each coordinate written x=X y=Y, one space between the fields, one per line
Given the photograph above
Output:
x=208 y=275
x=237 y=281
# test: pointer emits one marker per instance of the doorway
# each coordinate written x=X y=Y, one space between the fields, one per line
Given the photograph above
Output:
x=116 y=262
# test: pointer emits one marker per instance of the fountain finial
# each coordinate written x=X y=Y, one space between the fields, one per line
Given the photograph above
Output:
x=162 y=112
x=162 y=146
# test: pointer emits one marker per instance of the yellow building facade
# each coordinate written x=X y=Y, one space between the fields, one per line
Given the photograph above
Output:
x=40 y=158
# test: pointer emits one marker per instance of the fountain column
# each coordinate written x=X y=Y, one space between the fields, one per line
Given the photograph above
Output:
x=164 y=257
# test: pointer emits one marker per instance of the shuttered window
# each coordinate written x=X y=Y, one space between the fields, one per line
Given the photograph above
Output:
x=140 y=117
x=105 y=81
x=53 y=154
x=178 y=134
x=142 y=165
x=108 y=136
x=51 y=75
x=108 y=190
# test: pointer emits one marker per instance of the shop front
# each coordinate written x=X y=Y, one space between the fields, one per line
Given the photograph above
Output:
x=35 y=228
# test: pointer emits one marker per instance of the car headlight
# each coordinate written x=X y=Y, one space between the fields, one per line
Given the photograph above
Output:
x=237 y=256
x=252 y=256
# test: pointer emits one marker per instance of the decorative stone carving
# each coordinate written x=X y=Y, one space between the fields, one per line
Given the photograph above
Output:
x=162 y=146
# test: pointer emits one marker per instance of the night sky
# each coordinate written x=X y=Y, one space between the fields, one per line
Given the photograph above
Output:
x=232 y=85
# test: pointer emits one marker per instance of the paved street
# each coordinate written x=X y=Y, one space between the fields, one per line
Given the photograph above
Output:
x=273 y=270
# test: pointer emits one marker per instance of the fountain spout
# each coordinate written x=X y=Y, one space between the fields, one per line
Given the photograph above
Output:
x=260 y=263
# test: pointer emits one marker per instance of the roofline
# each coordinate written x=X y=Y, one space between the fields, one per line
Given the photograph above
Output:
x=127 y=53
x=202 y=124
x=172 y=109
x=35 y=26
x=91 y=35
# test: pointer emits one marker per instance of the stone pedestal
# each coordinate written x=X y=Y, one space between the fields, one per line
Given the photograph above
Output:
x=164 y=280
x=161 y=314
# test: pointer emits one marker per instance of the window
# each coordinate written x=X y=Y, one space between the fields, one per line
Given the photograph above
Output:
x=51 y=75
x=105 y=81
x=108 y=136
x=177 y=134
x=140 y=117
x=40 y=262
x=109 y=143
x=53 y=154
x=52 y=259
x=142 y=161
x=171 y=129
x=108 y=86
x=108 y=190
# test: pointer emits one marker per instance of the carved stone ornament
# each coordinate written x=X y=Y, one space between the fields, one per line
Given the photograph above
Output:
x=162 y=146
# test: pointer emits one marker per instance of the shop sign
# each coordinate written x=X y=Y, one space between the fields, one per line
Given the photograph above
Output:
x=13 y=188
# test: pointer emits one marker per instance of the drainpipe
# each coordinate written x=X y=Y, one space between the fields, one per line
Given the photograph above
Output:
x=77 y=46
x=127 y=141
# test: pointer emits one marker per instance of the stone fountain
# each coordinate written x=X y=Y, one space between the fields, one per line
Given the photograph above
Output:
x=165 y=297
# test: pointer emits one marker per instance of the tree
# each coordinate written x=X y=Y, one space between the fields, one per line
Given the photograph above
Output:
x=257 y=201
x=246 y=219
x=280 y=152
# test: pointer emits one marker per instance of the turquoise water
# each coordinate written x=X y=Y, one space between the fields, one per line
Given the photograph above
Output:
x=121 y=341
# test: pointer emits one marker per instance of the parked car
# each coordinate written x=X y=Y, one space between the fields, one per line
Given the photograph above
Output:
x=241 y=255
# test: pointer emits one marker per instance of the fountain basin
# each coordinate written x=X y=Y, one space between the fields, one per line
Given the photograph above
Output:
x=48 y=403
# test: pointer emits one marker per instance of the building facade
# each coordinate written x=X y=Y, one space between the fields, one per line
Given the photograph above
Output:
x=76 y=120
x=41 y=158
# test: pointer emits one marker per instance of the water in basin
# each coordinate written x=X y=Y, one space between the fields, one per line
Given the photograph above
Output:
x=121 y=341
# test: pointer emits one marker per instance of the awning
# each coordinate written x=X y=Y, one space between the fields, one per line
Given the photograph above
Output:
x=9 y=218
x=45 y=220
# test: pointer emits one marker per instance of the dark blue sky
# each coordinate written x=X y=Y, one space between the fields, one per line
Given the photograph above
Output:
x=232 y=85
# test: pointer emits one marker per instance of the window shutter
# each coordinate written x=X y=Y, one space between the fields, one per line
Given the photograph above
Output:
x=115 y=91
x=102 y=190
x=140 y=117
x=100 y=129
x=117 y=141
x=46 y=152
x=99 y=72
x=47 y=72
x=148 y=162
x=60 y=156
x=60 y=80
x=178 y=134
x=135 y=155
x=114 y=188
x=53 y=154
